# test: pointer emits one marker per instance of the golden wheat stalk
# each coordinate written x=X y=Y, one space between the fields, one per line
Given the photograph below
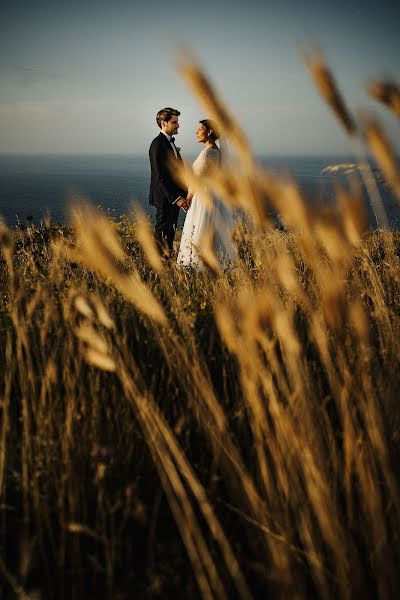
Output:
x=7 y=246
x=329 y=90
x=174 y=470
x=204 y=505
x=388 y=92
x=99 y=248
x=383 y=152
x=207 y=253
x=16 y=587
x=353 y=214
x=91 y=307
x=145 y=237
x=213 y=104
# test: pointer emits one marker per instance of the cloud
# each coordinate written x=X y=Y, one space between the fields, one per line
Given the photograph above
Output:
x=26 y=76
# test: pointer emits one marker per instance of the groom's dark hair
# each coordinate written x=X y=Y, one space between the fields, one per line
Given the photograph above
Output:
x=165 y=114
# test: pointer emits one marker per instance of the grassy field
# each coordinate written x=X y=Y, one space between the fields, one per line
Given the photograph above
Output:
x=174 y=433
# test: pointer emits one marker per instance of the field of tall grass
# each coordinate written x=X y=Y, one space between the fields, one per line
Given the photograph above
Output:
x=172 y=433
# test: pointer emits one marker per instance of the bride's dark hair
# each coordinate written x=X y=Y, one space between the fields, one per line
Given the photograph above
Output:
x=211 y=126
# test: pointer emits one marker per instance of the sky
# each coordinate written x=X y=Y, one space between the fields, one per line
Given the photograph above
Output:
x=89 y=77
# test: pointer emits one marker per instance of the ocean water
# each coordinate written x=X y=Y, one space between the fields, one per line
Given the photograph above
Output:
x=36 y=186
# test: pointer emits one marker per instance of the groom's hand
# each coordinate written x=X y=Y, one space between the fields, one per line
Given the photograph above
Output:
x=183 y=203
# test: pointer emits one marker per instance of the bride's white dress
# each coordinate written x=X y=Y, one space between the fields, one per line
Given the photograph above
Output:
x=201 y=217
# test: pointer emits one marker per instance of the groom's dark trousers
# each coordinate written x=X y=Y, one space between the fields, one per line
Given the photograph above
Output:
x=164 y=191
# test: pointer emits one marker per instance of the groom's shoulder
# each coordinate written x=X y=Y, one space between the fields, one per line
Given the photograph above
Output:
x=157 y=140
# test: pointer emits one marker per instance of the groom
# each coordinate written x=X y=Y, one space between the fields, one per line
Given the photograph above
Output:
x=165 y=194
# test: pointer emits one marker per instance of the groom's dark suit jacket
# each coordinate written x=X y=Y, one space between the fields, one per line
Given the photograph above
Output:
x=163 y=188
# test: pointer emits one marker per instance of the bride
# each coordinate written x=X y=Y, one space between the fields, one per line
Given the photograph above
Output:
x=200 y=216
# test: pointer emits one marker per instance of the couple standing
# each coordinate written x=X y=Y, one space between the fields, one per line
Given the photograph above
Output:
x=169 y=197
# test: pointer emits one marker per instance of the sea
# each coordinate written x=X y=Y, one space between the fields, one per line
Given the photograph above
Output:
x=33 y=187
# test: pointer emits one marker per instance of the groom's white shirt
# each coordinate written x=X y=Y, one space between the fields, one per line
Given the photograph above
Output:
x=172 y=143
x=175 y=152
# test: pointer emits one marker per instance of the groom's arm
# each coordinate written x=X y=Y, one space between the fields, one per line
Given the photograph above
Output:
x=159 y=159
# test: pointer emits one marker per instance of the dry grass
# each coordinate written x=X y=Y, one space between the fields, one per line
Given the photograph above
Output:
x=388 y=92
x=172 y=433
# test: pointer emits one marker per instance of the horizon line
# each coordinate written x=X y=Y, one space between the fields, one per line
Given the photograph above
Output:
x=142 y=154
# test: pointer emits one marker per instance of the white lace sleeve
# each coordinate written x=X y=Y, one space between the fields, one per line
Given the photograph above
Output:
x=206 y=161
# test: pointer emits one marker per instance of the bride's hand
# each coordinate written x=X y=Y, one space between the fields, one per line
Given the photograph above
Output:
x=182 y=203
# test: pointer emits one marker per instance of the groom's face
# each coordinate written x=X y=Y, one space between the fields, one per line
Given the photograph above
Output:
x=171 y=127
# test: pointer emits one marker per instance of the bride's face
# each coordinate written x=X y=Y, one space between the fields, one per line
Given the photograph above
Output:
x=202 y=133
